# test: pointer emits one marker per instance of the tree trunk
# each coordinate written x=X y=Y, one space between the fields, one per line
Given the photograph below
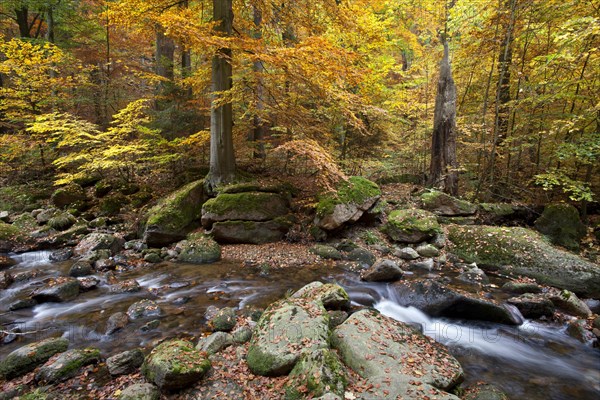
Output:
x=443 y=172
x=50 y=24
x=258 y=129
x=222 y=156
x=165 y=56
x=22 y=15
x=186 y=61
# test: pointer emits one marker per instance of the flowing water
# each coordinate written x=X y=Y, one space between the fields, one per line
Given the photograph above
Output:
x=534 y=361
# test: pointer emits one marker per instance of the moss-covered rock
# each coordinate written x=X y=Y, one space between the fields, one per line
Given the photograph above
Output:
x=174 y=365
x=62 y=221
x=245 y=206
x=316 y=374
x=483 y=391
x=27 y=358
x=445 y=205
x=523 y=252
x=140 y=391
x=171 y=219
x=68 y=195
x=11 y=236
x=348 y=204
x=331 y=296
x=381 y=349
x=67 y=365
x=495 y=213
x=327 y=252
x=561 y=223
x=199 y=249
x=215 y=342
x=98 y=241
x=569 y=302
x=252 y=232
x=57 y=290
x=126 y=362
x=411 y=226
x=224 y=320
x=285 y=331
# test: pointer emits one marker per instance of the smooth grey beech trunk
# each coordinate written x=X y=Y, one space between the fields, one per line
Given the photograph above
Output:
x=222 y=156
x=443 y=172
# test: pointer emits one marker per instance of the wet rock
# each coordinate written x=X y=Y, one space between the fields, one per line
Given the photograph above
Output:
x=383 y=271
x=88 y=283
x=57 y=290
x=569 y=302
x=126 y=362
x=521 y=287
x=151 y=325
x=22 y=304
x=6 y=279
x=327 y=252
x=61 y=254
x=381 y=349
x=445 y=205
x=337 y=317
x=363 y=256
x=438 y=300
x=473 y=274
x=578 y=329
x=96 y=255
x=182 y=300
x=116 y=322
x=347 y=205
x=140 y=391
x=215 y=342
x=6 y=261
x=105 y=264
x=152 y=258
x=285 y=331
x=137 y=245
x=561 y=223
x=330 y=296
x=199 y=249
x=427 y=264
x=520 y=251
x=174 y=365
x=319 y=372
x=224 y=320
x=484 y=391
x=242 y=335
x=532 y=305
x=128 y=286
x=175 y=215
x=411 y=226
x=67 y=365
x=99 y=241
x=81 y=268
x=144 y=309
x=27 y=358
x=428 y=250
x=406 y=253
x=68 y=195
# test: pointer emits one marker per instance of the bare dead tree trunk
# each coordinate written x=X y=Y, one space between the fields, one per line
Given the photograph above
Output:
x=443 y=172
x=222 y=156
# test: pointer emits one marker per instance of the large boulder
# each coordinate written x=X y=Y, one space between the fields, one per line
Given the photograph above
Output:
x=348 y=204
x=98 y=241
x=57 y=290
x=68 y=195
x=316 y=374
x=174 y=365
x=393 y=355
x=251 y=231
x=199 y=249
x=245 y=206
x=285 y=331
x=174 y=215
x=383 y=271
x=411 y=226
x=438 y=300
x=561 y=223
x=66 y=365
x=27 y=358
x=126 y=362
x=329 y=295
x=521 y=251
x=445 y=205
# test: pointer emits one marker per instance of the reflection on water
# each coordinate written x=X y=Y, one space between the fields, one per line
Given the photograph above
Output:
x=533 y=361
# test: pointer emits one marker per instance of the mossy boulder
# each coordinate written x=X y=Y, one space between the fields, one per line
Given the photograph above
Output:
x=252 y=232
x=245 y=206
x=175 y=215
x=98 y=241
x=11 y=236
x=330 y=295
x=126 y=362
x=411 y=226
x=57 y=290
x=224 y=320
x=199 y=249
x=68 y=195
x=348 y=204
x=215 y=342
x=62 y=221
x=326 y=252
x=521 y=251
x=561 y=223
x=285 y=331
x=66 y=365
x=382 y=349
x=27 y=358
x=140 y=391
x=495 y=213
x=174 y=365
x=316 y=374
x=445 y=205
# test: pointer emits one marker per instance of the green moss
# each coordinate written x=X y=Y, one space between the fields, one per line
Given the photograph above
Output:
x=246 y=201
x=434 y=199
x=320 y=372
x=356 y=190
x=200 y=249
x=9 y=232
x=62 y=221
x=179 y=209
x=262 y=363
x=23 y=197
x=498 y=209
x=411 y=220
x=561 y=223
x=37 y=394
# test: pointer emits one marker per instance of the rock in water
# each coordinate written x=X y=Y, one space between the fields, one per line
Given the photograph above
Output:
x=392 y=356
x=27 y=358
x=174 y=365
x=285 y=331
x=57 y=290
x=383 y=271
